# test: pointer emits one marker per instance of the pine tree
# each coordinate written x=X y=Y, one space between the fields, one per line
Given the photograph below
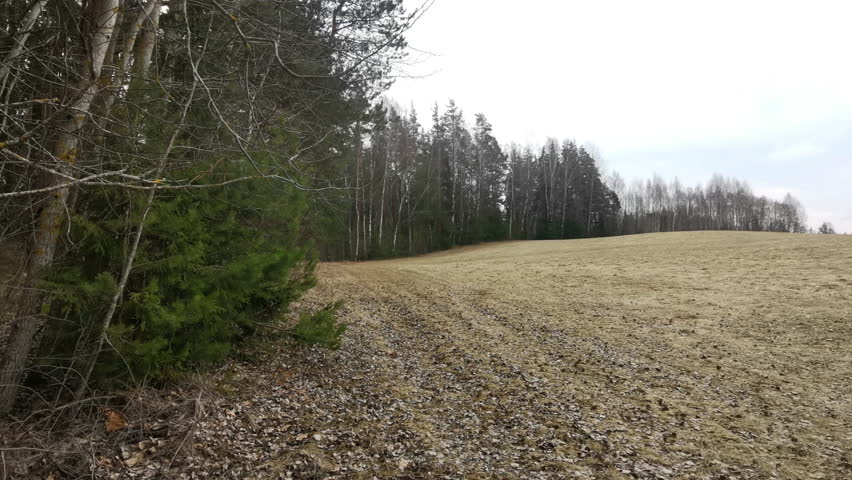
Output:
x=213 y=267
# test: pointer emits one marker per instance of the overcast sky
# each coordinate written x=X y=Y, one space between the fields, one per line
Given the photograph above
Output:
x=757 y=90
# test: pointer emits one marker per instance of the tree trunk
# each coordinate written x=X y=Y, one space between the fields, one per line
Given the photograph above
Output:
x=28 y=319
x=398 y=221
x=564 y=196
x=20 y=41
x=382 y=199
x=143 y=49
x=358 y=193
x=591 y=193
x=141 y=43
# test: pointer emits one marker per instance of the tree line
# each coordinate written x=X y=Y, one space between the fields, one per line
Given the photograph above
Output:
x=722 y=204
x=171 y=171
x=415 y=189
x=159 y=160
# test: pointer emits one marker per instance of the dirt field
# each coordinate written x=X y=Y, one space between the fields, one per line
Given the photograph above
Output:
x=675 y=355
x=667 y=356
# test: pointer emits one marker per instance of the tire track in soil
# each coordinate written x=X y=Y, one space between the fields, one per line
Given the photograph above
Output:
x=457 y=356
x=623 y=377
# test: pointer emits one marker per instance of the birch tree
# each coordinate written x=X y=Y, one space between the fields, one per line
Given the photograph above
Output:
x=246 y=90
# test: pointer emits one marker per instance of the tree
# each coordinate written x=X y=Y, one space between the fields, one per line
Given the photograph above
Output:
x=213 y=267
x=129 y=97
x=826 y=228
x=99 y=22
x=723 y=204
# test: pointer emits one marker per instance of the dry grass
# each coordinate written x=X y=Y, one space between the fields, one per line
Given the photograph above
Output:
x=703 y=355
x=695 y=354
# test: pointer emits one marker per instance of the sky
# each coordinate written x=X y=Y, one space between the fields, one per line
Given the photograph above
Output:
x=760 y=91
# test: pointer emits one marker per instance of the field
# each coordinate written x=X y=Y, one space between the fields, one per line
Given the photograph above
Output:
x=703 y=355
x=674 y=355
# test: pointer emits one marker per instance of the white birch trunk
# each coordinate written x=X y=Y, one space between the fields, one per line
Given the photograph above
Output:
x=28 y=320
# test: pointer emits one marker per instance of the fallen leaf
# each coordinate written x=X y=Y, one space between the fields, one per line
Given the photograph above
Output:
x=136 y=459
x=114 y=420
x=319 y=459
x=284 y=376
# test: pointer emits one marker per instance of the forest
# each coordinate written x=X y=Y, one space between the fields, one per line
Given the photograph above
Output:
x=415 y=189
x=172 y=171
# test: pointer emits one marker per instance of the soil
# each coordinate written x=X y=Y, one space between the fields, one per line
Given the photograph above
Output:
x=675 y=355
x=704 y=355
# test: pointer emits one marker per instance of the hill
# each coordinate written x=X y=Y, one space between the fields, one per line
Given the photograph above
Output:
x=679 y=355
x=698 y=355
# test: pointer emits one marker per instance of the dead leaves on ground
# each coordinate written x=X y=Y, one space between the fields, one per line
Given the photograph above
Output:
x=114 y=420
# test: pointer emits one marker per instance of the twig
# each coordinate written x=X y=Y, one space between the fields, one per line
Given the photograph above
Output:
x=84 y=180
x=28 y=102
x=68 y=405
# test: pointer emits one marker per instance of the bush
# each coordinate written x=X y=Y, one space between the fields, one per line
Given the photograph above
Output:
x=320 y=328
x=213 y=266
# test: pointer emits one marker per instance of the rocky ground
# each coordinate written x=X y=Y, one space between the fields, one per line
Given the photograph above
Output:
x=684 y=355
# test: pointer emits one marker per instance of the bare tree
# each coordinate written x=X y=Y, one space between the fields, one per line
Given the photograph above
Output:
x=121 y=94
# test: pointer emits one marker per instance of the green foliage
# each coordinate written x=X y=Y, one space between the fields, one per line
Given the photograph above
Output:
x=320 y=328
x=213 y=266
